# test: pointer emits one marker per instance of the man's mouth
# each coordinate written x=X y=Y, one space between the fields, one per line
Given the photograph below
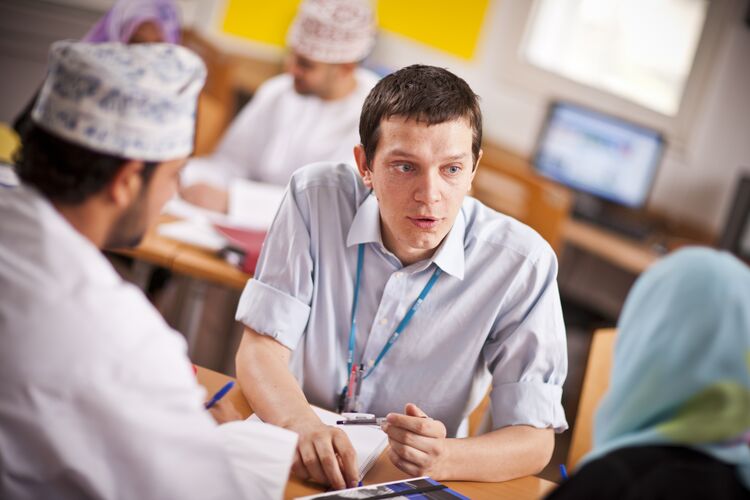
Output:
x=424 y=222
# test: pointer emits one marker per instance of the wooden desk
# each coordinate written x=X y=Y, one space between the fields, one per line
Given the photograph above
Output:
x=202 y=264
x=598 y=267
x=629 y=255
x=186 y=259
x=530 y=487
x=626 y=254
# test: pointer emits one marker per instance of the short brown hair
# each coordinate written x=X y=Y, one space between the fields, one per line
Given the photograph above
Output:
x=426 y=94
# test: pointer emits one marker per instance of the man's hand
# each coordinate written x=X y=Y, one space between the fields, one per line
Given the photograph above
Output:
x=324 y=455
x=206 y=196
x=224 y=411
x=418 y=443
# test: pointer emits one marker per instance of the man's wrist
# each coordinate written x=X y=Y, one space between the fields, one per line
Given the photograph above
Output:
x=445 y=467
x=299 y=421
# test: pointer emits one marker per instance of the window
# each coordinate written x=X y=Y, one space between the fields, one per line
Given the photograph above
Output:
x=640 y=50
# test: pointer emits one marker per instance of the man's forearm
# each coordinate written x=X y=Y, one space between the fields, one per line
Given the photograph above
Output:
x=262 y=366
x=500 y=455
x=324 y=453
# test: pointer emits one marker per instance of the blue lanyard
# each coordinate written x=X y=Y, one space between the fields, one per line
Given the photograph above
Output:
x=401 y=326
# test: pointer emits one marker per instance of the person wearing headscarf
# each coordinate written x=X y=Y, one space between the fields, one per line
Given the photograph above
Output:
x=97 y=396
x=309 y=114
x=138 y=21
x=675 y=422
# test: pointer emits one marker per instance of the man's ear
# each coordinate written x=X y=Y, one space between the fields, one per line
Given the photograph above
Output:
x=476 y=167
x=127 y=183
x=364 y=170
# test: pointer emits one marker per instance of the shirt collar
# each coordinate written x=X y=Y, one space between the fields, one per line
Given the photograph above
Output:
x=449 y=256
x=365 y=227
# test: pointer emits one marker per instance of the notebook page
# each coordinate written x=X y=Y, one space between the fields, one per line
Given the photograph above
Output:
x=368 y=441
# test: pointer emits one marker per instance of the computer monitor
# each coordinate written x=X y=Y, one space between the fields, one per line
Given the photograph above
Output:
x=598 y=154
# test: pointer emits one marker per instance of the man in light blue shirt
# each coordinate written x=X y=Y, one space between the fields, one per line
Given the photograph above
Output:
x=393 y=291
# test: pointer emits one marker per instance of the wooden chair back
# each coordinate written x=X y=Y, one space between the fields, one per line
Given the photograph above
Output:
x=512 y=188
x=595 y=383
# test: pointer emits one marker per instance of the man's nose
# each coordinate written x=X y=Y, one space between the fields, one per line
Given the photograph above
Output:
x=428 y=188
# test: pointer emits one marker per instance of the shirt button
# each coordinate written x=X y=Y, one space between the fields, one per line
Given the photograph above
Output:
x=398 y=275
x=383 y=321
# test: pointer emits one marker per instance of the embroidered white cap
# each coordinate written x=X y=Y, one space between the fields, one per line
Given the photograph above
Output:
x=132 y=101
x=333 y=31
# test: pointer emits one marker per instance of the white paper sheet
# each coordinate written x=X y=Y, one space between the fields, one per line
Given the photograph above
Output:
x=261 y=456
x=368 y=441
x=193 y=232
x=184 y=210
x=254 y=204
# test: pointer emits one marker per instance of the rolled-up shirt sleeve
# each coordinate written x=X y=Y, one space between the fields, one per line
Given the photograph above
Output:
x=527 y=353
x=277 y=301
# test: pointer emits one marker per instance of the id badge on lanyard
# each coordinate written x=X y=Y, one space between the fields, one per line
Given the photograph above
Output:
x=348 y=400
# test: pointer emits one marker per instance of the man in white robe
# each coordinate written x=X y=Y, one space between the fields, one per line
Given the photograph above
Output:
x=97 y=396
x=309 y=114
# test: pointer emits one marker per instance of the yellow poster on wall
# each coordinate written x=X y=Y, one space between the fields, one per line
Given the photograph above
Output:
x=447 y=25
x=259 y=20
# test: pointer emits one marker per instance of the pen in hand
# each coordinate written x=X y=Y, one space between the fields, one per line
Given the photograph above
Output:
x=220 y=394
x=362 y=421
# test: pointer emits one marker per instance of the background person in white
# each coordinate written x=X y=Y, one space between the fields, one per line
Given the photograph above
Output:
x=97 y=396
x=308 y=114
x=492 y=317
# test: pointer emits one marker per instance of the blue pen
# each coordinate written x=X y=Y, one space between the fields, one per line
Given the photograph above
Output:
x=220 y=394
x=563 y=472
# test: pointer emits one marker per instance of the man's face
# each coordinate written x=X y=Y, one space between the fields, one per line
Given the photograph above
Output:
x=132 y=225
x=147 y=32
x=312 y=77
x=420 y=175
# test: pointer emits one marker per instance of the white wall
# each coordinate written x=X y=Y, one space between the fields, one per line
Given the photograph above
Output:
x=701 y=187
x=27 y=28
x=698 y=174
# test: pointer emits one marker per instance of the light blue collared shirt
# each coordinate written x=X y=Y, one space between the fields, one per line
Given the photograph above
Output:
x=493 y=316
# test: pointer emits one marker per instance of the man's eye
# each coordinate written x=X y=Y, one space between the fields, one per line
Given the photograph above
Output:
x=404 y=168
x=453 y=169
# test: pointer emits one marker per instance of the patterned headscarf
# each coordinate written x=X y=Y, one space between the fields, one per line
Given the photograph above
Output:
x=681 y=372
x=119 y=24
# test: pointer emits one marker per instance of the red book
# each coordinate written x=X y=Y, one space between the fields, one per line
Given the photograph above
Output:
x=246 y=242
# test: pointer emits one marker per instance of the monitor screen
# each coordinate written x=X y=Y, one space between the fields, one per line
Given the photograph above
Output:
x=599 y=154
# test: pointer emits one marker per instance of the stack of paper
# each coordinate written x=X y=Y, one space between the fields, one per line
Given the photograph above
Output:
x=198 y=233
x=368 y=441
x=252 y=205
x=252 y=208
